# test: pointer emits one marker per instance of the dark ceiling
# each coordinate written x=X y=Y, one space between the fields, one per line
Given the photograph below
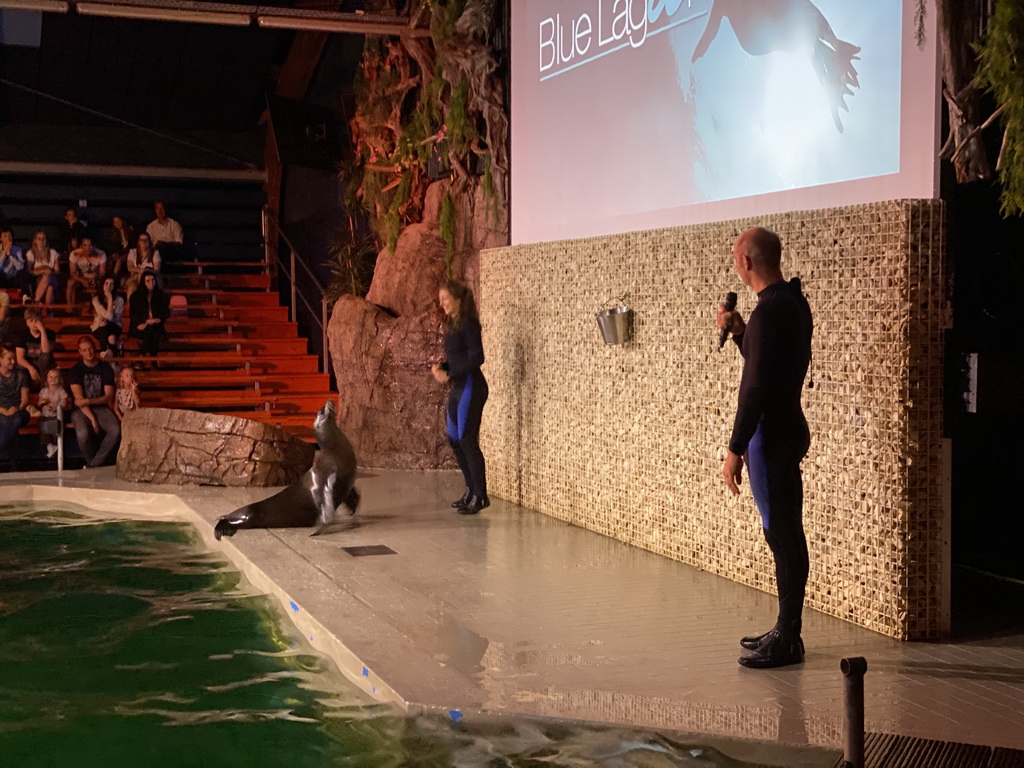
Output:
x=173 y=75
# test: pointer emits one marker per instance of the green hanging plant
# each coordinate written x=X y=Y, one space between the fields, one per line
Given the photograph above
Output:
x=1001 y=73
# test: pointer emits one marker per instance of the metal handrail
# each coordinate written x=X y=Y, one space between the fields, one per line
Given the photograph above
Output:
x=295 y=257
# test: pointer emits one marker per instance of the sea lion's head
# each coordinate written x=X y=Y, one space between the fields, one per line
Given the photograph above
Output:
x=324 y=419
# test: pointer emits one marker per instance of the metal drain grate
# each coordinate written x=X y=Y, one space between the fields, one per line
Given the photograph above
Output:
x=883 y=750
x=368 y=550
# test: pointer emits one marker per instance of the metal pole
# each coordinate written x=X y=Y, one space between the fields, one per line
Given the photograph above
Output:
x=853 y=670
x=291 y=252
x=60 y=438
x=323 y=327
x=265 y=224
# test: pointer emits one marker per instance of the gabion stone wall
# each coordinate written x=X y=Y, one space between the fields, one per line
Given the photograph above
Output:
x=629 y=440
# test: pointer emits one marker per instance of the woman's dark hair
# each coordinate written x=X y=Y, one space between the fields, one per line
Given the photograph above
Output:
x=463 y=294
x=156 y=281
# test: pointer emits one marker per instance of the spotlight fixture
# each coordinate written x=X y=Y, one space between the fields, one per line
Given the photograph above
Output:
x=165 y=13
x=50 y=6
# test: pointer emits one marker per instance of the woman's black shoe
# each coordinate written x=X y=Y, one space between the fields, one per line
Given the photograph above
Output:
x=775 y=651
x=461 y=503
x=474 y=505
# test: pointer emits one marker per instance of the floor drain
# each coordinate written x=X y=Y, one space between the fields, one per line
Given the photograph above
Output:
x=369 y=549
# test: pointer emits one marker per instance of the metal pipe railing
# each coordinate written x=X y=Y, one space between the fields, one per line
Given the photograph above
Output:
x=294 y=260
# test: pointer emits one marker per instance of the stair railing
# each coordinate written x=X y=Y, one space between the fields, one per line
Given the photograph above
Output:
x=272 y=222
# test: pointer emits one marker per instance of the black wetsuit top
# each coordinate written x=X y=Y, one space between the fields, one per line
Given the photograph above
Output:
x=464 y=350
x=776 y=347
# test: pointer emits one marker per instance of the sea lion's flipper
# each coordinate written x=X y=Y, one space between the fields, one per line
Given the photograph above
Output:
x=352 y=500
x=228 y=524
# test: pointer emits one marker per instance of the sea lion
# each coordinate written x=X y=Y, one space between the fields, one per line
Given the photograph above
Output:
x=313 y=500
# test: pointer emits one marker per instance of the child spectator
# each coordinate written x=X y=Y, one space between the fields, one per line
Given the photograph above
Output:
x=50 y=397
x=127 y=398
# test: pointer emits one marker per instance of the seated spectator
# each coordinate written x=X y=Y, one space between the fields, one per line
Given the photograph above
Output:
x=149 y=308
x=127 y=398
x=5 y=315
x=53 y=400
x=141 y=258
x=164 y=231
x=88 y=267
x=35 y=347
x=72 y=230
x=120 y=240
x=92 y=386
x=12 y=263
x=43 y=264
x=13 y=401
x=108 y=307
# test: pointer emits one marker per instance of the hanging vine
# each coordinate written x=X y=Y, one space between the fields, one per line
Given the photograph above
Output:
x=434 y=93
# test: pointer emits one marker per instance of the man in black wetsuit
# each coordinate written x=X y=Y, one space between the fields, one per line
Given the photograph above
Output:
x=770 y=431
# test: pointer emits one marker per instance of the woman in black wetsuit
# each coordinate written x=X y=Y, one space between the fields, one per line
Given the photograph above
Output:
x=465 y=354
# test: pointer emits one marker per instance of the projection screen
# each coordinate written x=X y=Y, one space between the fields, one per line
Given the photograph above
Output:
x=638 y=114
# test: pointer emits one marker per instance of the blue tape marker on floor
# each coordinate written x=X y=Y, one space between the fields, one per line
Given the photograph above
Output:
x=294 y=606
x=455 y=715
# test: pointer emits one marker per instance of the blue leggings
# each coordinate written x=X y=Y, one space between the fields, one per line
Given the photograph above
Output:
x=773 y=466
x=465 y=410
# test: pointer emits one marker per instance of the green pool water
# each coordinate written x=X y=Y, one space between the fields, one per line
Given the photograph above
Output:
x=127 y=644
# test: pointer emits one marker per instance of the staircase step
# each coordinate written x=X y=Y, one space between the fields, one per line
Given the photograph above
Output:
x=242 y=400
x=271 y=381
x=212 y=342
x=230 y=298
x=211 y=361
x=174 y=282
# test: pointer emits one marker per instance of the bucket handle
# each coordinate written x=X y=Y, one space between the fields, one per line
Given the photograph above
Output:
x=619 y=301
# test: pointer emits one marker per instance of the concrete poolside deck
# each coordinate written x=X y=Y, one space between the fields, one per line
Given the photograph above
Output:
x=514 y=612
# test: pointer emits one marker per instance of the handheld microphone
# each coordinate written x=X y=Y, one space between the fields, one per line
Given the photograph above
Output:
x=730 y=305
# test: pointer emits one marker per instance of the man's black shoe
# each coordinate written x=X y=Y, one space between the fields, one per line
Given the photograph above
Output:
x=755 y=642
x=775 y=651
x=461 y=503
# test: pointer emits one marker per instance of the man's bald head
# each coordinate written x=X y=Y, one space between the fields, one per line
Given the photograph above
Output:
x=763 y=247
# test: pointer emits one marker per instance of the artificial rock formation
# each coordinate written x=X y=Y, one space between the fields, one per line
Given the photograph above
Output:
x=382 y=347
x=168 y=445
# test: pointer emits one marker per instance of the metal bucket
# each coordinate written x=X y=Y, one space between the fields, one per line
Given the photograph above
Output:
x=616 y=324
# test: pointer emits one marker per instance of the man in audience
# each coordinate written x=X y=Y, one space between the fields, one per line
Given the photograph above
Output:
x=165 y=232
x=35 y=346
x=92 y=387
x=72 y=230
x=13 y=401
x=12 y=263
x=88 y=267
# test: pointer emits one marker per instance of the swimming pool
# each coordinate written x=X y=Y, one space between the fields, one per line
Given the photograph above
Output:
x=128 y=643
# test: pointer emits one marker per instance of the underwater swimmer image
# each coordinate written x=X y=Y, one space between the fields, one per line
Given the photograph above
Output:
x=767 y=26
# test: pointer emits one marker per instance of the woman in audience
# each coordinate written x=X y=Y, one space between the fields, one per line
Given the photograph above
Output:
x=120 y=241
x=140 y=258
x=149 y=309
x=108 y=307
x=43 y=263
